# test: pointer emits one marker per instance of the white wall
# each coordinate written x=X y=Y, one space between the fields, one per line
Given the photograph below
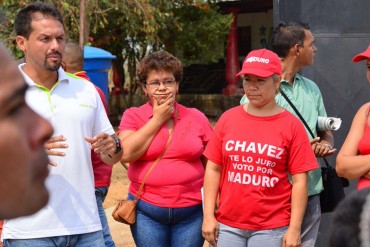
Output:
x=256 y=20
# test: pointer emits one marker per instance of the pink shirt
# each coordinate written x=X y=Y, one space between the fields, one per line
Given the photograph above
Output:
x=178 y=177
x=364 y=149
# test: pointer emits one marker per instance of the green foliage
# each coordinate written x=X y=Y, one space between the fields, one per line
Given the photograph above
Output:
x=7 y=33
x=201 y=34
x=193 y=30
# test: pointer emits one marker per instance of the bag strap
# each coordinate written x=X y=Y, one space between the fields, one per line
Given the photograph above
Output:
x=297 y=112
x=302 y=120
x=157 y=160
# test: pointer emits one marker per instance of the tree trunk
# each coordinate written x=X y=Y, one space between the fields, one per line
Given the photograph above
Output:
x=82 y=24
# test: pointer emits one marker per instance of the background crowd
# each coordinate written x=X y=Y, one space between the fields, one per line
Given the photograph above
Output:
x=258 y=167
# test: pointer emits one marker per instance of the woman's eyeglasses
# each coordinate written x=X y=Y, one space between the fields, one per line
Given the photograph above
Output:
x=166 y=83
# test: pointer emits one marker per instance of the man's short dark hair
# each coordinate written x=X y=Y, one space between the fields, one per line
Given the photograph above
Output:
x=24 y=17
x=287 y=35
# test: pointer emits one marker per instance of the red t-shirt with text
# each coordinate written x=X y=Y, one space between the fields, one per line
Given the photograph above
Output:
x=257 y=153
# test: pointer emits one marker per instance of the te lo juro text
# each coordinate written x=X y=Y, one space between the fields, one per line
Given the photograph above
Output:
x=252 y=170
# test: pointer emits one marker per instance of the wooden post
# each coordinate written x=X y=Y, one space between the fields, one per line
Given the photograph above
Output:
x=232 y=56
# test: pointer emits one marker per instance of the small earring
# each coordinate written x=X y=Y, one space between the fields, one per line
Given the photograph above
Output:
x=146 y=94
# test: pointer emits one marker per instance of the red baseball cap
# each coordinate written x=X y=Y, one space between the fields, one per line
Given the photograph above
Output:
x=362 y=56
x=262 y=63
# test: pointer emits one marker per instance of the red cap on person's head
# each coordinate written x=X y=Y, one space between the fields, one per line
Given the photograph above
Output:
x=362 y=56
x=262 y=63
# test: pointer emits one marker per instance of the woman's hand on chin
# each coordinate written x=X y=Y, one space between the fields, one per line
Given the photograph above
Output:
x=163 y=108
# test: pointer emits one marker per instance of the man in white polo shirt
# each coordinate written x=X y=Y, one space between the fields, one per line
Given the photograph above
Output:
x=76 y=112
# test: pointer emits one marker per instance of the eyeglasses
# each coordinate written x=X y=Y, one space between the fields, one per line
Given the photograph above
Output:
x=166 y=83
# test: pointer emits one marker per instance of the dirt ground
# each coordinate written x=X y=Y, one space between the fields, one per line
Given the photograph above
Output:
x=119 y=186
x=118 y=189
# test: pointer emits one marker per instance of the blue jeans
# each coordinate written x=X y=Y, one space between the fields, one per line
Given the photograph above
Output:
x=231 y=236
x=167 y=227
x=100 y=194
x=93 y=239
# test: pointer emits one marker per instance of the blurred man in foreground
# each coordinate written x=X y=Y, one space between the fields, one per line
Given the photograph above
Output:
x=23 y=159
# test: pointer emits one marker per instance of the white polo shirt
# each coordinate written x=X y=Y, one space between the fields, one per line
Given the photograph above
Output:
x=75 y=110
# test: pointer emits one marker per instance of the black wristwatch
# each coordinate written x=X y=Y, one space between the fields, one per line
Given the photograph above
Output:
x=118 y=144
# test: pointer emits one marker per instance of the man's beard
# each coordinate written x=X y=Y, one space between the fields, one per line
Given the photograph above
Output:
x=52 y=66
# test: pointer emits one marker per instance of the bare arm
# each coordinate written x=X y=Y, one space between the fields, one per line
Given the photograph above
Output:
x=137 y=142
x=349 y=163
x=211 y=182
x=292 y=237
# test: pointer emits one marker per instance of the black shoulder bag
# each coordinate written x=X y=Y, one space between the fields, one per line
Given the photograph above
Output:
x=333 y=191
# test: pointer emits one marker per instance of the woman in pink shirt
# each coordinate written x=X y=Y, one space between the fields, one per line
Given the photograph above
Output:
x=169 y=212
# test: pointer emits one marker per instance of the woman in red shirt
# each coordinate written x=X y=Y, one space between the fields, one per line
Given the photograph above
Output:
x=353 y=160
x=254 y=148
